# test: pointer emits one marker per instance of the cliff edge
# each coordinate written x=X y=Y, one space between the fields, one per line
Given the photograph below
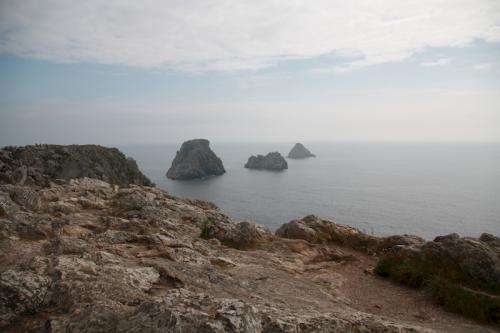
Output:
x=87 y=256
x=42 y=164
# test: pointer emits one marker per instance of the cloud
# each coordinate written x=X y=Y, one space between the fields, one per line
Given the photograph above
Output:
x=228 y=35
x=439 y=62
x=483 y=66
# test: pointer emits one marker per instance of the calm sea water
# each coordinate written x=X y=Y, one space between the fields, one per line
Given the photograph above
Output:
x=423 y=189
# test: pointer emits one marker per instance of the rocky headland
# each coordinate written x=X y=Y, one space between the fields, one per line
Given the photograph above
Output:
x=194 y=160
x=89 y=256
x=272 y=161
x=42 y=164
x=299 y=151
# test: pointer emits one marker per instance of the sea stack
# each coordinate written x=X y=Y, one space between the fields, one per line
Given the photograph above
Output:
x=272 y=161
x=299 y=151
x=195 y=159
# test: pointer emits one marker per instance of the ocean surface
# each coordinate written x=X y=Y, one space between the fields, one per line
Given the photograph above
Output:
x=381 y=188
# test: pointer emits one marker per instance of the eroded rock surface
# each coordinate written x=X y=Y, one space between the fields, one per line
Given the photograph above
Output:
x=272 y=161
x=92 y=257
x=41 y=164
x=316 y=230
x=195 y=159
x=299 y=151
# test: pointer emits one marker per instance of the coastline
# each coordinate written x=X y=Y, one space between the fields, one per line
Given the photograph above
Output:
x=85 y=255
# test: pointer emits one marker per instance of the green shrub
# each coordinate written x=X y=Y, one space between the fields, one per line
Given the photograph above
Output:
x=461 y=299
x=474 y=304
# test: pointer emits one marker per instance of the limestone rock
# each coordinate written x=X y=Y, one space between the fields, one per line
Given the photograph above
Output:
x=272 y=161
x=195 y=159
x=299 y=151
x=42 y=164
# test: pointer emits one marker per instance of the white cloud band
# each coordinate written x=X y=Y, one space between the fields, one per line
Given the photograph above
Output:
x=233 y=35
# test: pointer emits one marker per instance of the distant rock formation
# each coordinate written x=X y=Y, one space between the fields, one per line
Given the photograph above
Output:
x=195 y=159
x=41 y=164
x=272 y=161
x=299 y=151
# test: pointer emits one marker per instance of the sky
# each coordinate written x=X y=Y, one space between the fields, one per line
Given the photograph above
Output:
x=127 y=72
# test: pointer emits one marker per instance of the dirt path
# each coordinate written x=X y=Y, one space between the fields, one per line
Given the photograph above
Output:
x=370 y=293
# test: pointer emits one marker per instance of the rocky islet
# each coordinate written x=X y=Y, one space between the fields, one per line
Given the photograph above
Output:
x=194 y=160
x=272 y=161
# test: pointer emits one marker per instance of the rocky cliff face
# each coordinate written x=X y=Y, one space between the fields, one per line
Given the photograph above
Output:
x=88 y=256
x=272 y=161
x=299 y=151
x=41 y=164
x=195 y=159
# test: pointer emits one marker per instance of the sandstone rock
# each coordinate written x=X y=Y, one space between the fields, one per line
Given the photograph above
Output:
x=195 y=159
x=41 y=164
x=299 y=151
x=272 y=161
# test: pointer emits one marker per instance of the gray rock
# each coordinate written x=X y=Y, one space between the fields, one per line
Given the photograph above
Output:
x=20 y=292
x=195 y=159
x=299 y=151
x=463 y=260
x=272 y=161
x=7 y=206
x=470 y=256
x=138 y=264
x=42 y=164
x=240 y=235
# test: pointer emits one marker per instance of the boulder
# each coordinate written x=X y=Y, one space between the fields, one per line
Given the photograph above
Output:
x=42 y=164
x=195 y=159
x=299 y=151
x=242 y=235
x=272 y=161
x=316 y=230
x=313 y=229
x=462 y=272
x=464 y=256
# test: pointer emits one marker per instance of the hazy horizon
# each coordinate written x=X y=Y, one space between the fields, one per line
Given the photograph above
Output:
x=260 y=71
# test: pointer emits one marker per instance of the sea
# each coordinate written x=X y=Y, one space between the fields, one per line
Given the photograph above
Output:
x=426 y=189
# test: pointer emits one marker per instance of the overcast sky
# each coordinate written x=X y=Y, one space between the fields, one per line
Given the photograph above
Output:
x=118 y=72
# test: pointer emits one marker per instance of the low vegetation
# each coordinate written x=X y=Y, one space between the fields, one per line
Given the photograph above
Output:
x=456 y=292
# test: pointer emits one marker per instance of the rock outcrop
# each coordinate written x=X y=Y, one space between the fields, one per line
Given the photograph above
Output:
x=195 y=159
x=463 y=272
x=272 y=161
x=42 y=164
x=299 y=151
x=316 y=230
x=87 y=256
